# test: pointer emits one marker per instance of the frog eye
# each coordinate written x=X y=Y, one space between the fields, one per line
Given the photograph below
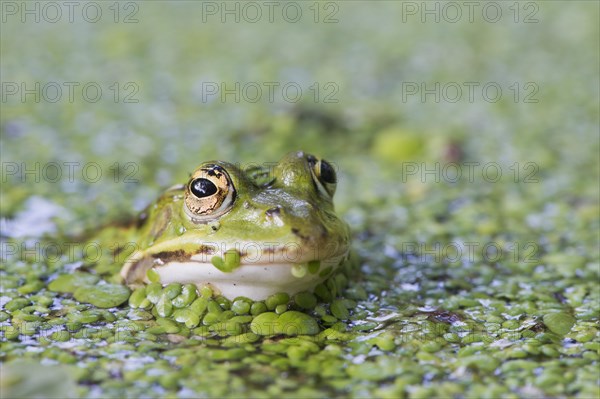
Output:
x=202 y=188
x=209 y=194
x=324 y=174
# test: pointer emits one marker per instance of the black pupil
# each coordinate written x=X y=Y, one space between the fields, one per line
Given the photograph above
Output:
x=327 y=173
x=203 y=188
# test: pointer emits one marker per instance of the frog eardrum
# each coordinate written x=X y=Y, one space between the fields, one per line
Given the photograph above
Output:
x=209 y=193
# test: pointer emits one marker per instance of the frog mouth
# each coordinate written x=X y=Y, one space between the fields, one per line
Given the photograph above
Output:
x=254 y=278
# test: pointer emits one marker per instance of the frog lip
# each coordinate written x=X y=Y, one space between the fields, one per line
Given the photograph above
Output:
x=250 y=252
x=253 y=254
x=292 y=253
x=257 y=275
x=248 y=280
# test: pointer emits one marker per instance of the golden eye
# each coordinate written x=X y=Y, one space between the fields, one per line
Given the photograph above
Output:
x=209 y=194
x=324 y=174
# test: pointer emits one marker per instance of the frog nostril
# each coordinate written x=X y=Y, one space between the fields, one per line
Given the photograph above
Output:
x=273 y=211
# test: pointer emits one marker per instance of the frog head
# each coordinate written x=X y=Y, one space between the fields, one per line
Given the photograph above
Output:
x=248 y=231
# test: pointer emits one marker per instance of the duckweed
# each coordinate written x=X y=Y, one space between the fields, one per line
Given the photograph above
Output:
x=559 y=322
x=305 y=300
x=241 y=306
x=171 y=291
x=288 y=323
x=103 y=295
x=229 y=262
x=187 y=317
x=339 y=310
x=277 y=299
x=258 y=308
x=138 y=298
x=314 y=266
x=299 y=270
x=153 y=276
x=186 y=297
x=70 y=282
x=164 y=307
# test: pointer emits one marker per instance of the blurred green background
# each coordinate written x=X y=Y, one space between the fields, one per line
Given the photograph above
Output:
x=166 y=56
x=379 y=95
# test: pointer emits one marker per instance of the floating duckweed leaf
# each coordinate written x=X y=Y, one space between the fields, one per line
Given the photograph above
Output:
x=228 y=263
x=223 y=302
x=16 y=304
x=338 y=309
x=153 y=276
x=187 y=296
x=172 y=290
x=210 y=319
x=103 y=295
x=258 y=308
x=241 y=319
x=305 y=300
x=289 y=323
x=281 y=309
x=265 y=324
x=71 y=282
x=314 y=266
x=232 y=259
x=228 y=328
x=248 y=337
x=559 y=323
x=168 y=325
x=326 y=271
x=30 y=288
x=164 y=307
x=154 y=292
x=323 y=292
x=138 y=297
x=297 y=323
x=214 y=307
x=187 y=316
x=275 y=300
x=206 y=292
x=199 y=306
x=241 y=306
x=385 y=342
x=299 y=270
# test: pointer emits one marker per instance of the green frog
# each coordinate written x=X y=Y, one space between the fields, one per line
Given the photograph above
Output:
x=249 y=232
